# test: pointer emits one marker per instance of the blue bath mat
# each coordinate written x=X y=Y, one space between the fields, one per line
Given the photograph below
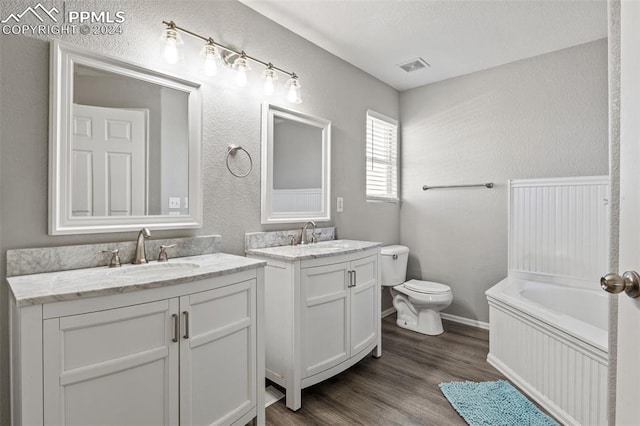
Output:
x=493 y=403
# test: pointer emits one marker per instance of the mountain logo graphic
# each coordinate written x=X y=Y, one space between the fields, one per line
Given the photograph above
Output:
x=33 y=11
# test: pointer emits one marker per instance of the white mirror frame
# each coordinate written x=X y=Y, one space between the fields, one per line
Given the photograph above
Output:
x=63 y=58
x=269 y=112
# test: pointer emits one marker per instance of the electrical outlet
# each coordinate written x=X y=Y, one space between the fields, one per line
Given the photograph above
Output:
x=174 y=202
x=340 y=205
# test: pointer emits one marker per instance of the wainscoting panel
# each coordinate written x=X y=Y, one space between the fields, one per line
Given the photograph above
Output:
x=559 y=227
x=566 y=376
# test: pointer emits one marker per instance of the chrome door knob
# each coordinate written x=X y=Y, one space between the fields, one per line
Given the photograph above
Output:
x=629 y=282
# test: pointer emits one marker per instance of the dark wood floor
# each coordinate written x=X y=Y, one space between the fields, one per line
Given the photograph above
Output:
x=400 y=388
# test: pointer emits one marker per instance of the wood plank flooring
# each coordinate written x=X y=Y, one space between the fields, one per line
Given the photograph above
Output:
x=401 y=387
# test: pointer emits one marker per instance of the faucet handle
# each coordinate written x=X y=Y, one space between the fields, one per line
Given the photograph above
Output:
x=293 y=240
x=314 y=236
x=162 y=256
x=115 y=259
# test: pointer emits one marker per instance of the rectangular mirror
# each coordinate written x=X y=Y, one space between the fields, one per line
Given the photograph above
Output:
x=296 y=153
x=125 y=146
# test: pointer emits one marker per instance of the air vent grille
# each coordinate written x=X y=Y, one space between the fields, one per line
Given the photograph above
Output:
x=414 y=65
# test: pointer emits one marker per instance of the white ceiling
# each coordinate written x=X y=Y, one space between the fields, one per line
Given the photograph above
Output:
x=455 y=36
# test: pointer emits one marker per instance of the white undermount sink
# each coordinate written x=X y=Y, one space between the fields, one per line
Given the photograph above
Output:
x=155 y=270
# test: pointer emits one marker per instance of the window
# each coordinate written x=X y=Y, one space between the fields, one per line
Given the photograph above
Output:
x=382 y=158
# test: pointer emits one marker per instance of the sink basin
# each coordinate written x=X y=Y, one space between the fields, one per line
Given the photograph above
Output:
x=156 y=270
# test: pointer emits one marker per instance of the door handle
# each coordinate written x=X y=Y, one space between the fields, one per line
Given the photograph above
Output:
x=176 y=327
x=350 y=283
x=186 y=324
x=355 y=278
x=629 y=282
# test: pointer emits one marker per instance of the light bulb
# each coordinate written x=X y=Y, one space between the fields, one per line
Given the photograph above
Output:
x=171 y=52
x=293 y=94
x=210 y=59
x=171 y=39
x=242 y=67
x=269 y=76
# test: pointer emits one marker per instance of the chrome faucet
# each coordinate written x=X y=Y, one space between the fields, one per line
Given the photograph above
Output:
x=303 y=237
x=141 y=255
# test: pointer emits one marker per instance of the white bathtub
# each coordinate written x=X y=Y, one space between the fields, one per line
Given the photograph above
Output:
x=551 y=340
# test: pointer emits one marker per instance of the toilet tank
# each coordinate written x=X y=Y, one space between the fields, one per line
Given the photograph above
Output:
x=393 y=265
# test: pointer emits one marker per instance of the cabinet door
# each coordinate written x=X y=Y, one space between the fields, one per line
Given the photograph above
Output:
x=218 y=355
x=325 y=317
x=364 y=303
x=116 y=367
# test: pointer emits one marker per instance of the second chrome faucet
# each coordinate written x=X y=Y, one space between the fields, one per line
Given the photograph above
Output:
x=141 y=254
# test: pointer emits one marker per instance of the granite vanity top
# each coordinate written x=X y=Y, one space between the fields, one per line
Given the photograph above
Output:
x=314 y=250
x=81 y=283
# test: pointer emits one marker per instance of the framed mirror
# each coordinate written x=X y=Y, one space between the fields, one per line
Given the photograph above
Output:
x=124 y=148
x=296 y=154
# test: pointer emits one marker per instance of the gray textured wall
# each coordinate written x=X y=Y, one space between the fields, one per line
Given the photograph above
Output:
x=297 y=156
x=331 y=89
x=541 y=117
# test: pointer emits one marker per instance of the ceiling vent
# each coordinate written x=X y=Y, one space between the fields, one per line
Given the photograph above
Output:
x=414 y=65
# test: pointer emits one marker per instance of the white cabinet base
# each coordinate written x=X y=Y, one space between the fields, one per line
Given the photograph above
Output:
x=184 y=354
x=321 y=317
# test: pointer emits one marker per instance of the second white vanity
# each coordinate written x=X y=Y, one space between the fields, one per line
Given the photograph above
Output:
x=322 y=311
x=179 y=342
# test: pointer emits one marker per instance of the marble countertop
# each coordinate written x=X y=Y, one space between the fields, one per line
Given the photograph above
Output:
x=313 y=251
x=81 y=283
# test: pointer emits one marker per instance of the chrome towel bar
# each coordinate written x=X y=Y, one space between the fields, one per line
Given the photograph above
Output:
x=486 y=185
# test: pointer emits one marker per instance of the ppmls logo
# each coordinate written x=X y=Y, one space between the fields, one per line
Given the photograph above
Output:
x=43 y=21
x=33 y=11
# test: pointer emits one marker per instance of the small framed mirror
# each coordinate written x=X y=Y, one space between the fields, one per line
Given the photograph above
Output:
x=124 y=146
x=296 y=155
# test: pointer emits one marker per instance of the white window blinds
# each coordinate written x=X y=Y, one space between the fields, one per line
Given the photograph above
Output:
x=382 y=158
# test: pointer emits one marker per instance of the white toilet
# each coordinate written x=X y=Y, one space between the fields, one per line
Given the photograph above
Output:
x=418 y=303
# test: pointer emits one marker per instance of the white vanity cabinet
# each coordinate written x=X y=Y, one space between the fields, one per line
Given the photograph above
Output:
x=322 y=315
x=187 y=354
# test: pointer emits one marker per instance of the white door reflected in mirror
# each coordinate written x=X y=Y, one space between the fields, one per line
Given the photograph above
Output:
x=125 y=142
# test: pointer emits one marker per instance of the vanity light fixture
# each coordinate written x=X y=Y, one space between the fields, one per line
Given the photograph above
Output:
x=269 y=76
x=242 y=68
x=171 y=39
x=294 y=89
x=211 y=56
x=238 y=61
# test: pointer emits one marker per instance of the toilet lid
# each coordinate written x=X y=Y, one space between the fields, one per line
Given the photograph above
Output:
x=426 y=287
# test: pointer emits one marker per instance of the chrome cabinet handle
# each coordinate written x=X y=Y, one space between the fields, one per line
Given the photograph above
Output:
x=186 y=324
x=352 y=279
x=355 y=278
x=176 y=328
x=629 y=282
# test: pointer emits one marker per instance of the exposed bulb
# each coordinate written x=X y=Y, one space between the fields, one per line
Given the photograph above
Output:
x=171 y=39
x=293 y=94
x=242 y=67
x=210 y=54
x=171 y=52
x=269 y=76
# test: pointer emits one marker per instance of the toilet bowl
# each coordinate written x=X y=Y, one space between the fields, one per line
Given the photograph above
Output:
x=418 y=303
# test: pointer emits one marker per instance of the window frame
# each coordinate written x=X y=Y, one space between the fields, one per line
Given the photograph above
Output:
x=391 y=122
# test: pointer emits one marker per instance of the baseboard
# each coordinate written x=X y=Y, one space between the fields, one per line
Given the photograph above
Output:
x=389 y=311
x=465 y=321
x=449 y=317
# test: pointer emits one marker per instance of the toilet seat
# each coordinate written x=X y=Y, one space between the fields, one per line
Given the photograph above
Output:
x=426 y=287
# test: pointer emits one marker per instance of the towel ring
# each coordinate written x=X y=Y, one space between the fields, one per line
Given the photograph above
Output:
x=233 y=149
